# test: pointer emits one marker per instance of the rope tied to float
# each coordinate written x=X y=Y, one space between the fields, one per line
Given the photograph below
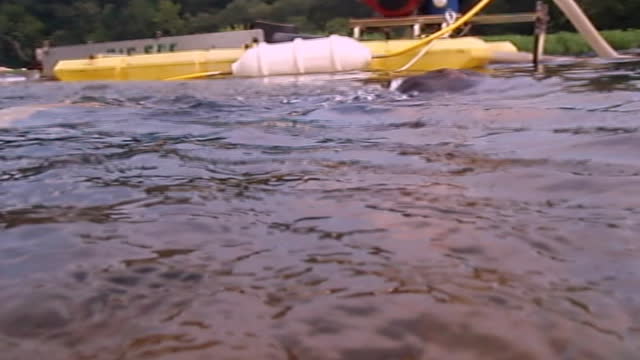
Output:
x=450 y=17
x=198 y=75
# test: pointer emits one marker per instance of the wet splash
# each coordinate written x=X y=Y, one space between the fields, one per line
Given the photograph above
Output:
x=322 y=220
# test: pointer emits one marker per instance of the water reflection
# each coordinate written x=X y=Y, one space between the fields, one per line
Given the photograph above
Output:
x=322 y=220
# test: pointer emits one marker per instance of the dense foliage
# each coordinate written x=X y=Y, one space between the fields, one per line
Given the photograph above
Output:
x=24 y=24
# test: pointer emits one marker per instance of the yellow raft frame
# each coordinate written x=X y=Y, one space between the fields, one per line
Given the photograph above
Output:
x=454 y=53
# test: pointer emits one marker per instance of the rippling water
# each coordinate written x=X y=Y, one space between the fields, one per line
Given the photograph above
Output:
x=326 y=218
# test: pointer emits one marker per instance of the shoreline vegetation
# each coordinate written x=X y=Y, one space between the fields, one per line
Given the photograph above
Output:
x=26 y=24
x=570 y=43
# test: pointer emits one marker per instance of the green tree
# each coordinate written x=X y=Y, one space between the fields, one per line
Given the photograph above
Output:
x=243 y=12
x=20 y=33
x=202 y=22
x=168 y=18
x=136 y=20
x=611 y=14
x=338 y=26
x=79 y=22
x=24 y=24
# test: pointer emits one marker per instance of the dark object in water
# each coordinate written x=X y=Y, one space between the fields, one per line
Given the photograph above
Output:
x=446 y=80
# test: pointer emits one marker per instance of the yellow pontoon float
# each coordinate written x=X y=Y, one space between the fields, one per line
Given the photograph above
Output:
x=456 y=53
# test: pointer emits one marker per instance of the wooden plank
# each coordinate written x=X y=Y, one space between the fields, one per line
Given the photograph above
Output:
x=505 y=18
x=439 y=19
x=405 y=21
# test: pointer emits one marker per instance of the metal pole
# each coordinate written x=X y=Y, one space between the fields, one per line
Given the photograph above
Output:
x=416 y=30
x=586 y=28
x=540 y=32
x=356 y=32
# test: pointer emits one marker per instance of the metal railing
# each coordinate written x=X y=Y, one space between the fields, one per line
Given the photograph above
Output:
x=540 y=19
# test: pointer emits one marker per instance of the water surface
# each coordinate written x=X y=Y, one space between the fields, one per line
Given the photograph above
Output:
x=323 y=218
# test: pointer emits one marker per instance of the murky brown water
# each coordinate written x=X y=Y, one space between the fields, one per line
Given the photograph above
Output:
x=242 y=219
